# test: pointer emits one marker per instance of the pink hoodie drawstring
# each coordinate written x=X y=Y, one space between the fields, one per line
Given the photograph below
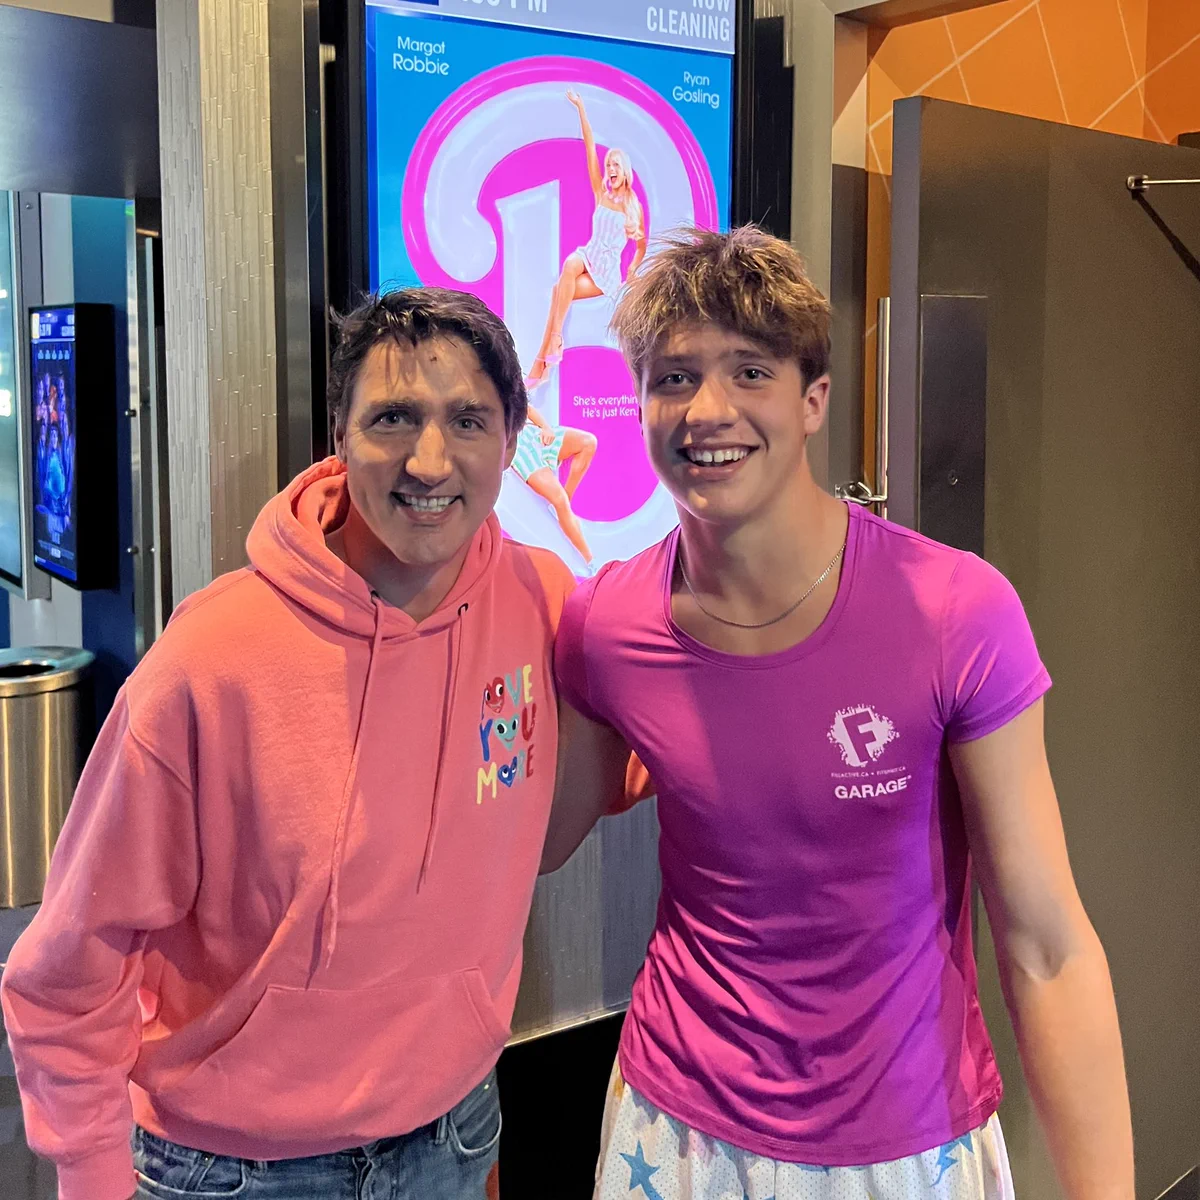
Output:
x=329 y=923
x=456 y=636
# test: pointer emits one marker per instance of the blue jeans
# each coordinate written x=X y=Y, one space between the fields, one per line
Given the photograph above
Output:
x=448 y=1160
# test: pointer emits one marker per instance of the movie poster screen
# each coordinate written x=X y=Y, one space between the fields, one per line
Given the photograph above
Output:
x=536 y=169
x=52 y=378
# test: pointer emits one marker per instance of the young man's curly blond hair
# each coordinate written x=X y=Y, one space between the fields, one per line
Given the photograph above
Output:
x=745 y=281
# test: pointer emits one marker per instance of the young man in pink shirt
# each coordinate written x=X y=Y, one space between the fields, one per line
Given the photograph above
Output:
x=841 y=717
x=281 y=940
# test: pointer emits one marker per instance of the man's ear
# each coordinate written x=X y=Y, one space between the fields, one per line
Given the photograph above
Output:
x=816 y=405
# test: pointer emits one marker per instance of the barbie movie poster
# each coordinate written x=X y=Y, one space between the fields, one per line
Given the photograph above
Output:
x=535 y=168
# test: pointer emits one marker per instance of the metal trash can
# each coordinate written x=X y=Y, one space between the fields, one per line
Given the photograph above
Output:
x=46 y=729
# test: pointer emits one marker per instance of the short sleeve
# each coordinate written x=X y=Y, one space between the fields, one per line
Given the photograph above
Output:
x=570 y=654
x=991 y=670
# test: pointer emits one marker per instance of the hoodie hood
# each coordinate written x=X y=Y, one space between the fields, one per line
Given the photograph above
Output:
x=287 y=547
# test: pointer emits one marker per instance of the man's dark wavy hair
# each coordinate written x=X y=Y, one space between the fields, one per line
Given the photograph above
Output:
x=414 y=315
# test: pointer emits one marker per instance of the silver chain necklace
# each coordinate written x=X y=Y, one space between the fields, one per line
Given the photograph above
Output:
x=774 y=620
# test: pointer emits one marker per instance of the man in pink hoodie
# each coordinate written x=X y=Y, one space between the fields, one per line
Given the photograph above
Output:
x=281 y=939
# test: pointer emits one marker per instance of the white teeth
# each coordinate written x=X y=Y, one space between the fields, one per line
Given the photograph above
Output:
x=433 y=504
x=717 y=457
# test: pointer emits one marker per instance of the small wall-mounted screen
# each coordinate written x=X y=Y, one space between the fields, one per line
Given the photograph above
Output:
x=55 y=493
x=74 y=453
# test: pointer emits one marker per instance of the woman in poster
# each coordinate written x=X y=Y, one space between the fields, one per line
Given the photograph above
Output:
x=543 y=448
x=595 y=269
x=42 y=418
x=55 y=499
x=68 y=440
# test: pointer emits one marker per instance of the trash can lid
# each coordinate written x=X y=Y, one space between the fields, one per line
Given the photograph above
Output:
x=35 y=669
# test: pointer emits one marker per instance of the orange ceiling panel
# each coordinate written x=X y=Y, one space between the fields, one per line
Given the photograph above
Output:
x=1092 y=56
x=1013 y=72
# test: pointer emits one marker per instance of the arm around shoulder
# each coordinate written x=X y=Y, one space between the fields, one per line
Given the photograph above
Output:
x=597 y=776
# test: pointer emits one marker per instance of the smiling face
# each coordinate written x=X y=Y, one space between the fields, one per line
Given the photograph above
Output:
x=425 y=448
x=615 y=170
x=726 y=422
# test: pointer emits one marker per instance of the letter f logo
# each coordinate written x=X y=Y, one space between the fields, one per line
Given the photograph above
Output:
x=861 y=734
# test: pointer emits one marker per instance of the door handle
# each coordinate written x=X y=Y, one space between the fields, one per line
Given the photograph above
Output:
x=863 y=493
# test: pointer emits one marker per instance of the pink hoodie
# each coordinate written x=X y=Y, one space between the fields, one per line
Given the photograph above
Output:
x=285 y=916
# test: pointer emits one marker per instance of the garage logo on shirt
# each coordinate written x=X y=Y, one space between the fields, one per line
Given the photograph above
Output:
x=862 y=735
x=507 y=721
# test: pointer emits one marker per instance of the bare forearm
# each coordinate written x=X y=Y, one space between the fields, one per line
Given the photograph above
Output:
x=592 y=767
x=573 y=816
x=589 y=138
x=564 y=836
x=1066 y=1024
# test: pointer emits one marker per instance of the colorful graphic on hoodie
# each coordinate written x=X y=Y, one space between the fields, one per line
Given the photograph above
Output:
x=278 y=922
x=507 y=723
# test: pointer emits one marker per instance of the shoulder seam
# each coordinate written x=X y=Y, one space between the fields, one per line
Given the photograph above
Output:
x=146 y=748
x=583 y=639
x=910 y=535
x=235 y=580
x=942 y=631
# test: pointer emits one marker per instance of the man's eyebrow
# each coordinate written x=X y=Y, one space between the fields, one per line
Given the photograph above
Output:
x=391 y=401
x=672 y=360
x=737 y=353
x=407 y=406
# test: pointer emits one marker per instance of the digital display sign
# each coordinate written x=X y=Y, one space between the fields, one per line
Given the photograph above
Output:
x=73 y=420
x=55 y=498
x=531 y=152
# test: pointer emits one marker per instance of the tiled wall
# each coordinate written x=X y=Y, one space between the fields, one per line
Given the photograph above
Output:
x=1126 y=66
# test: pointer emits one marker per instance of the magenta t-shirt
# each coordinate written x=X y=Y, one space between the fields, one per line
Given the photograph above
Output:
x=809 y=992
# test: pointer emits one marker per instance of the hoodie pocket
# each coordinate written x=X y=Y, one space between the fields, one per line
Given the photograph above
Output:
x=333 y=1069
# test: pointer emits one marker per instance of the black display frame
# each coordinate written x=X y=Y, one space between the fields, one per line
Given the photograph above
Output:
x=94 y=483
x=763 y=122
